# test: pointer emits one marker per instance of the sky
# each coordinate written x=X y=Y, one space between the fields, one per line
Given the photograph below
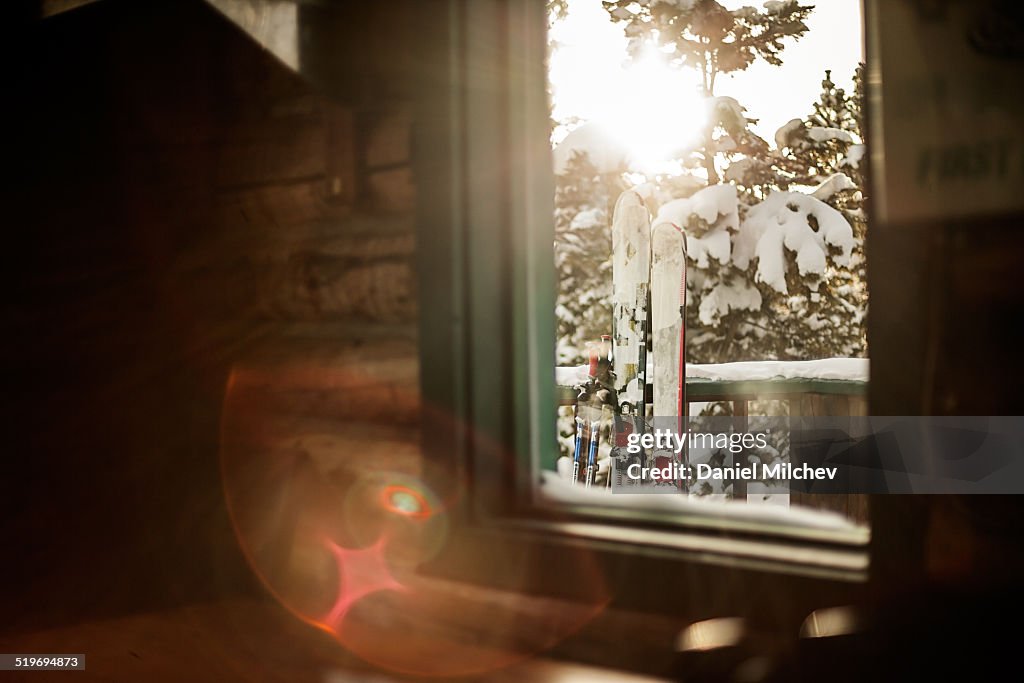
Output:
x=651 y=106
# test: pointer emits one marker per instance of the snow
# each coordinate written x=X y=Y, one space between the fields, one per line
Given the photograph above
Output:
x=725 y=144
x=605 y=153
x=815 y=321
x=717 y=206
x=848 y=369
x=715 y=244
x=725 y=103
x=646 y=191
x=724 y=107
x=570 y=376
x=836 y=182
x=821 y=134
x=681 y=4
x=708 y=204
x=738 y=169
x=724 y=298
x=783 y=134
x=657 y=194
x=854 y=155
x=781 y=222
x=588 y=218
x=774 y=6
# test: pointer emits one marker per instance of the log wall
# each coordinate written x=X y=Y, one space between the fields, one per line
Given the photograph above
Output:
x=187 y=218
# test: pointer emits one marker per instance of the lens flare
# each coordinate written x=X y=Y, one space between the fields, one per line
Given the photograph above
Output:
x=403 y=500
x=360 y=572
x=339 y=521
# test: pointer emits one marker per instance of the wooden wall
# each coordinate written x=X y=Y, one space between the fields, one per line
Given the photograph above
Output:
x=181 y=209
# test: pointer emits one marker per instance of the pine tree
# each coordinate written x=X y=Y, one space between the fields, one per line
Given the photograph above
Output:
x=836 y=159
x=557 y=10
x=584 y=198
x=739 y=311
x=730 y=316
x=820 y=154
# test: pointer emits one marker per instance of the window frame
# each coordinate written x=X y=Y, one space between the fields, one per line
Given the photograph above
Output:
x=485 y=267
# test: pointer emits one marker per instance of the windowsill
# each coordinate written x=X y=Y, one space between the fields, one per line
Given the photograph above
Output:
x=714 y=512
x=608 y=544
x=768 y=555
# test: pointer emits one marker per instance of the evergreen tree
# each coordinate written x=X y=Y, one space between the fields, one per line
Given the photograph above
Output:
x=557 y=10
x=817 y=315
x=731 y=316
x=584 y=198
x=824 y=152
x=737 y=311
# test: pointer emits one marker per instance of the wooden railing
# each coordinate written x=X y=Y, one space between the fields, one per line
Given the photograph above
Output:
x=808 y=395
x=805 y=396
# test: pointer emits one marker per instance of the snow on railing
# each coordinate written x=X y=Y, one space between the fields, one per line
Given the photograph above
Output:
x=842 y=369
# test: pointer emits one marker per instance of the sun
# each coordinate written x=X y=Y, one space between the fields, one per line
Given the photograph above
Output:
x=644 y=106
x=650 y=109
x=657 y=116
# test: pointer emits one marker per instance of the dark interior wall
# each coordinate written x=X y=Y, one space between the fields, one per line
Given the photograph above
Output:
x=945 y=330
x=945 y=327
x=947 y=317
x=178 y=205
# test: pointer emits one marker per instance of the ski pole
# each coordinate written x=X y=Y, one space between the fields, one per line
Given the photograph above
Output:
x=577 y=450
x=592 y=452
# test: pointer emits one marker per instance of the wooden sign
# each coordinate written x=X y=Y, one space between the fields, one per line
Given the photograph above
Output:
x=947 y=106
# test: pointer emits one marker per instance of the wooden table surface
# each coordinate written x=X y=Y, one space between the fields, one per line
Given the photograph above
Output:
x=247 y=639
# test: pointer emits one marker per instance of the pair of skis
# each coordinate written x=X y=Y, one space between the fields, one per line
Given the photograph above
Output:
x=648 y=297
x=648 y=302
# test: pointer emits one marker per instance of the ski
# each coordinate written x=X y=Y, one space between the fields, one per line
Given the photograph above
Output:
x=631 y=273
x=668 y=328
x=631 y=265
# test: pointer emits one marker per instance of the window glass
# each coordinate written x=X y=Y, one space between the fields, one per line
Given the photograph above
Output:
x=709 y=225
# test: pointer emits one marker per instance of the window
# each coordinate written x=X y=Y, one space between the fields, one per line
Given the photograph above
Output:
x=660 y=122
x=487 y=287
